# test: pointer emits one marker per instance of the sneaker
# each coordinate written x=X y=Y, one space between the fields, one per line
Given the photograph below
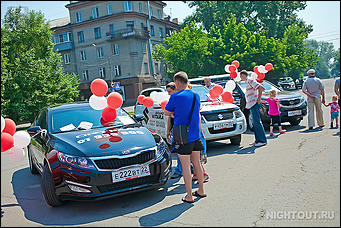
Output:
x=271 y=134
x=282 y=132
x=206 y=177
x=311 y=128
x=252 y=144
x=331 y=125
x=260 y=144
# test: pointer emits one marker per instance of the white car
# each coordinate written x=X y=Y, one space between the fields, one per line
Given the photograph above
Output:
x=219 y=120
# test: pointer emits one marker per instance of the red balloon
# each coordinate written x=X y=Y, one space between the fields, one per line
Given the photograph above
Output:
x=99 y=87
x=218 y=90
x=227 y=97
x=10 y=126
x=148 y=102
x=268 y=66
x=261 y=76
x=255 y=69
x=163 y=104
x=259 y=80
x=114 y=100
x=213 y=94
x=7 y=141
x=236 y=63
x=232 y=68
x=109 y=114
x=140 y=99
x=233 y=74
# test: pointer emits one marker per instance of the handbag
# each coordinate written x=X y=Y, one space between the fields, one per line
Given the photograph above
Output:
x=180 y=132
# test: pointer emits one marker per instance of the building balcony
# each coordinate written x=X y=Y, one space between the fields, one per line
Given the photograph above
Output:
x=63 y=46
x=127 y=32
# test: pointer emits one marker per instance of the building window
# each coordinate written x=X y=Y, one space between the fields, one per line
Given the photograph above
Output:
x=69 y=36
x=100 y=52
x=102 y=72
x=95 y=13
x=80 y=36
x=159 y=14
x=83 y=55
x=142 y=25
x=130 y=24
x=143 y=47
x=117 y=70
x=111 y=29
x=85 y=75
x=161 y=32
x=109 y=9
x=67 y=58
x=127 y=6
x=140 y=7
x=146 y=71
x=97 y=32
x=78 y=17
x=115 y=50
x=152 y=33
x=61 y=38
x=156 y=68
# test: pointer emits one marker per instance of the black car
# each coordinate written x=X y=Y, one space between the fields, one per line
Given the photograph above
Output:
x=80 y=157
x=293 y=105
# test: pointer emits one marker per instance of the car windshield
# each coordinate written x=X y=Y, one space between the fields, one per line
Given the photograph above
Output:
x=202 y=92
x=85 y=117
x=267 y=86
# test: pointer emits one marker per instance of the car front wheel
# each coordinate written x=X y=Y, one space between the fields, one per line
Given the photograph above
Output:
x=235 y=140
x=295 y=122
x=48 y=188
x=33 y=167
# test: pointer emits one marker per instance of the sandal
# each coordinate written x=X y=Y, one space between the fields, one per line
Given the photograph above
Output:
x=187 y=201
x=198 y=195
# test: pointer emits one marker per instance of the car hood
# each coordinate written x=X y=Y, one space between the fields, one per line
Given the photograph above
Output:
x=285 y=95
x=212 y=106
x=103 y=141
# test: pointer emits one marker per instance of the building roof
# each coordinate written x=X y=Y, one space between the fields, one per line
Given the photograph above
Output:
x=59 y=22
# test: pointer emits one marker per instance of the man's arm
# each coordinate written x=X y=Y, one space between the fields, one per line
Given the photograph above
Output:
x=337 y=89
x=260 y=91
x=305 y=91
x=323 y=97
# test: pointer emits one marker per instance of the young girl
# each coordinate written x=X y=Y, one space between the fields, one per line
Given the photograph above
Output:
x=274 y=112
x=334 y=111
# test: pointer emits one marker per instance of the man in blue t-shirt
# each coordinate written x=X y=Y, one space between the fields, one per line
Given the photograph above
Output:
x=180 y=104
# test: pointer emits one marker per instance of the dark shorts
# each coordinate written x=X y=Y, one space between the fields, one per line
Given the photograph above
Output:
x=275 y=119
x=186 y=149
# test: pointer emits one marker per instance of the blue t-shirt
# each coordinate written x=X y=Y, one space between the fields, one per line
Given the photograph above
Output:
x=181 y=103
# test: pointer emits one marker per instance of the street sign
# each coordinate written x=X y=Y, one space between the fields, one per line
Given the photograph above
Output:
x=116 y=85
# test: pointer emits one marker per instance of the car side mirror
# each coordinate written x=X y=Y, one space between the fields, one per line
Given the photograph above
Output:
x=139 y=117
x=36 y=130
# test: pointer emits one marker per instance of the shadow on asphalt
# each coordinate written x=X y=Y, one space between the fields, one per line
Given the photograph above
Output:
x=27 y=190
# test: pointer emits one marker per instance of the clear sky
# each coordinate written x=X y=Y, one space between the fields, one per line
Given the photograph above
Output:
x=323 y=15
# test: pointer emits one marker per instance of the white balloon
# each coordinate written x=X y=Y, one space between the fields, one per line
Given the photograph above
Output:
x=98 y=103
x=21 y=139
x=230 y=85
x=227 y=68
x=2 y=123
x=253 y=76
x=261 y=69
x=238 y=79
x=16 y=154
x=154 y=95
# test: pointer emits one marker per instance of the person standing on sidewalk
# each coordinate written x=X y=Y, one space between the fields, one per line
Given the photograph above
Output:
x=314 y=89
x=253 y=97
x=180 y=104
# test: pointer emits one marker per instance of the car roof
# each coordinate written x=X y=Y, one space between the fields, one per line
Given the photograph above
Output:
x=67 y=106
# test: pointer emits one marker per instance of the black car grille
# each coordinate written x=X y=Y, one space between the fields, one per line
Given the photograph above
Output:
x=290 y=102
x=116 y=163
x=215 y=116
x=129 y=183
x=212 y=131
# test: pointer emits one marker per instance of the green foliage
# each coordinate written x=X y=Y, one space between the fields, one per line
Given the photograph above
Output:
x=32 y=75
x=336 y=63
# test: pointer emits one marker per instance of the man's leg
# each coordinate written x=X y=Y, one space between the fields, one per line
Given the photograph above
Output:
x=195 y=158
x=185 y=161
x=257 y=124
x=311 y=117
x=319 y=112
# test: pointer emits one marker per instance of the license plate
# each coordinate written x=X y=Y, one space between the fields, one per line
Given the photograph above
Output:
x=131 y=173
x=224 y=125
x=294 y=113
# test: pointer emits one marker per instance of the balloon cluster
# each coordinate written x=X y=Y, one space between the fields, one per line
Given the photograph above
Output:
x=13 y=141
x=232 y=69
x=160 y=98
x=260 y=71
x=108 y=104
x=225 y=93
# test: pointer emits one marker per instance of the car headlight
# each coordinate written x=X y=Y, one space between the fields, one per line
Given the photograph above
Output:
x=161 y=148
x=80 y=162
x=302 y=100
x=238 y=113
x=202 y=119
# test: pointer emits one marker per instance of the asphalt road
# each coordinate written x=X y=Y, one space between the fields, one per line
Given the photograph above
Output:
x=292 y=181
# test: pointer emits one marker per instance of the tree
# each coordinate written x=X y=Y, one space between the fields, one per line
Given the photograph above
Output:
x=32 y=75
x=186 y=50
x=336 y=63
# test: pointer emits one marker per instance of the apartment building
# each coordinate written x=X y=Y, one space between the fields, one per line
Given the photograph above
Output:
x=113 y=40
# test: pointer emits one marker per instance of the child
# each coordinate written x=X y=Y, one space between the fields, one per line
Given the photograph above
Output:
x=274 y=112
x=334 y=111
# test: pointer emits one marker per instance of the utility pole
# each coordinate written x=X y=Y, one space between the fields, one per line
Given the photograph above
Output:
x=151 y=63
